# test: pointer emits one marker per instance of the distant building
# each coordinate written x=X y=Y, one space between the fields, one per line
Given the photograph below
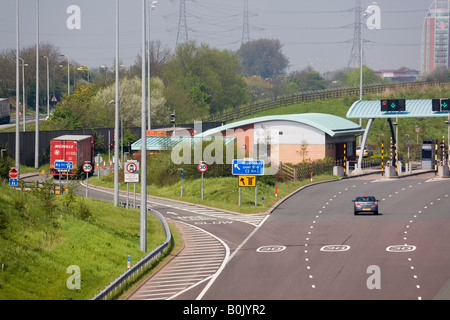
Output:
x=398 y=75
x=435 y=37
x=292 y=138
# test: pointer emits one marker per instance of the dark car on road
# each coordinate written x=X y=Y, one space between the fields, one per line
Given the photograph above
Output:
x=365 y=204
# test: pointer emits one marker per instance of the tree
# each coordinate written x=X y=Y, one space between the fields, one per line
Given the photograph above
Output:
x=159 y=56
x=58 y=76
x=76 y=111
x=263 y=58
x=200 y=80
x=352 y=78
x=130 y=103
x=307 y=80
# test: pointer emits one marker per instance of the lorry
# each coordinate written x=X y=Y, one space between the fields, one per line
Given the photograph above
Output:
x=5 y=111
x=68 y=154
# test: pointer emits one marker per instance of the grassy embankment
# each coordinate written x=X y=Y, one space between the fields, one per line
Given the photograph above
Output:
x=41 y=236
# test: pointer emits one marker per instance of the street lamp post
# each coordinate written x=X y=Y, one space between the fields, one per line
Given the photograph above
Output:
x=68 y=72
x=23 y=92
x=143 y=212
x=17 y=156
x=116 y=118
x=48 y=90
x=36 y=135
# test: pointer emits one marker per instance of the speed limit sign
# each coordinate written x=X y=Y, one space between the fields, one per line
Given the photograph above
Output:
x=202 y=167
x=87 y=167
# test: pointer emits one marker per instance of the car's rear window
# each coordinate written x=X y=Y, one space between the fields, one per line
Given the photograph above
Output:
x=365 y=199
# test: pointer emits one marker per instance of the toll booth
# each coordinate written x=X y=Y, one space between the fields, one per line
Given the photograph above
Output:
x=428 y=154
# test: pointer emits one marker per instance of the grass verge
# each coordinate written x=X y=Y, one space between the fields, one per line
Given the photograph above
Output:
x=41 y=237
x=221 y=193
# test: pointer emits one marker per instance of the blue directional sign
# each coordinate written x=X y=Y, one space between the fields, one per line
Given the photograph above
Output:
x=13 y=182
x=248 y=167
x=63 y=165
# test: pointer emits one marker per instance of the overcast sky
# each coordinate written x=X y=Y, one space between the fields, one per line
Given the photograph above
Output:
x=317 y=33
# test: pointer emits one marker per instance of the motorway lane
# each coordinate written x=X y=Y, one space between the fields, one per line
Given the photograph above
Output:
x=413 y=210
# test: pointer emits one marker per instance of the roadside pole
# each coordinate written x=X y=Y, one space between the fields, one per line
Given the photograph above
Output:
x=128 y=194
x=202 y=185
x=239 y=196
x=256 y=191
x=87 y=167
x=182 y=183
x=202 y=167
x=87 y=184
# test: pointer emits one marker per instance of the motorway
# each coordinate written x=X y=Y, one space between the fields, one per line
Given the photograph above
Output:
x=413 y=211
x=312 y=246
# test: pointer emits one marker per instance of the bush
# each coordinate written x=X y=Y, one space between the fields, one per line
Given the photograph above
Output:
x=85 y=212
x=5 y=165
x=4 y=222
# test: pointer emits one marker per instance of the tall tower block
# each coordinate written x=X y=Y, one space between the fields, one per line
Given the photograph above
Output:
x=435 y=37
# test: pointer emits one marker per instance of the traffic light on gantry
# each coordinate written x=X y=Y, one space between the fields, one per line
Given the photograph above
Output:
x=441 y=105
x=393 y=105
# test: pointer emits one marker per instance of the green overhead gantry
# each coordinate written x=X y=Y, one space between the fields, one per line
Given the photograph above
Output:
x=388 y=109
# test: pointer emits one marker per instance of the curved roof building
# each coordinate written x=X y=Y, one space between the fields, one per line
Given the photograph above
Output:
x=292 y=138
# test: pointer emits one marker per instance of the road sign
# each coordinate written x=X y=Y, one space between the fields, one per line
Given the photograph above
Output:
x=248 y=167
x=13 y=173
x=247 y=181
x=131 y=172
x=131 y=167
x=63 y=165
x=202 y=167
x=13 y=182
x=98 y=159
x=54 y=99
x=87 y=167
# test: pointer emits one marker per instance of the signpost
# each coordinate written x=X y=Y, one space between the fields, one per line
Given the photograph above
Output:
x=87 y=167
x=247 y=181
x=131 y=174
x=248 y=170
x=202 y=167
x=248 y=167
x=13 y=177
x=63 y=165
x=13 y=173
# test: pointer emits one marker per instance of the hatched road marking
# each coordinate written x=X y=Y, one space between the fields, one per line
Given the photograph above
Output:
x=201 y=258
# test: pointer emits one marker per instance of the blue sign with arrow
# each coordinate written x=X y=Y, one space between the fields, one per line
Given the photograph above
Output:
x=63 y=165
x=248 y=167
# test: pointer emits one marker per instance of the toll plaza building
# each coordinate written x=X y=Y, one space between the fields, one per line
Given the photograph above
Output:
x=292 y=138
